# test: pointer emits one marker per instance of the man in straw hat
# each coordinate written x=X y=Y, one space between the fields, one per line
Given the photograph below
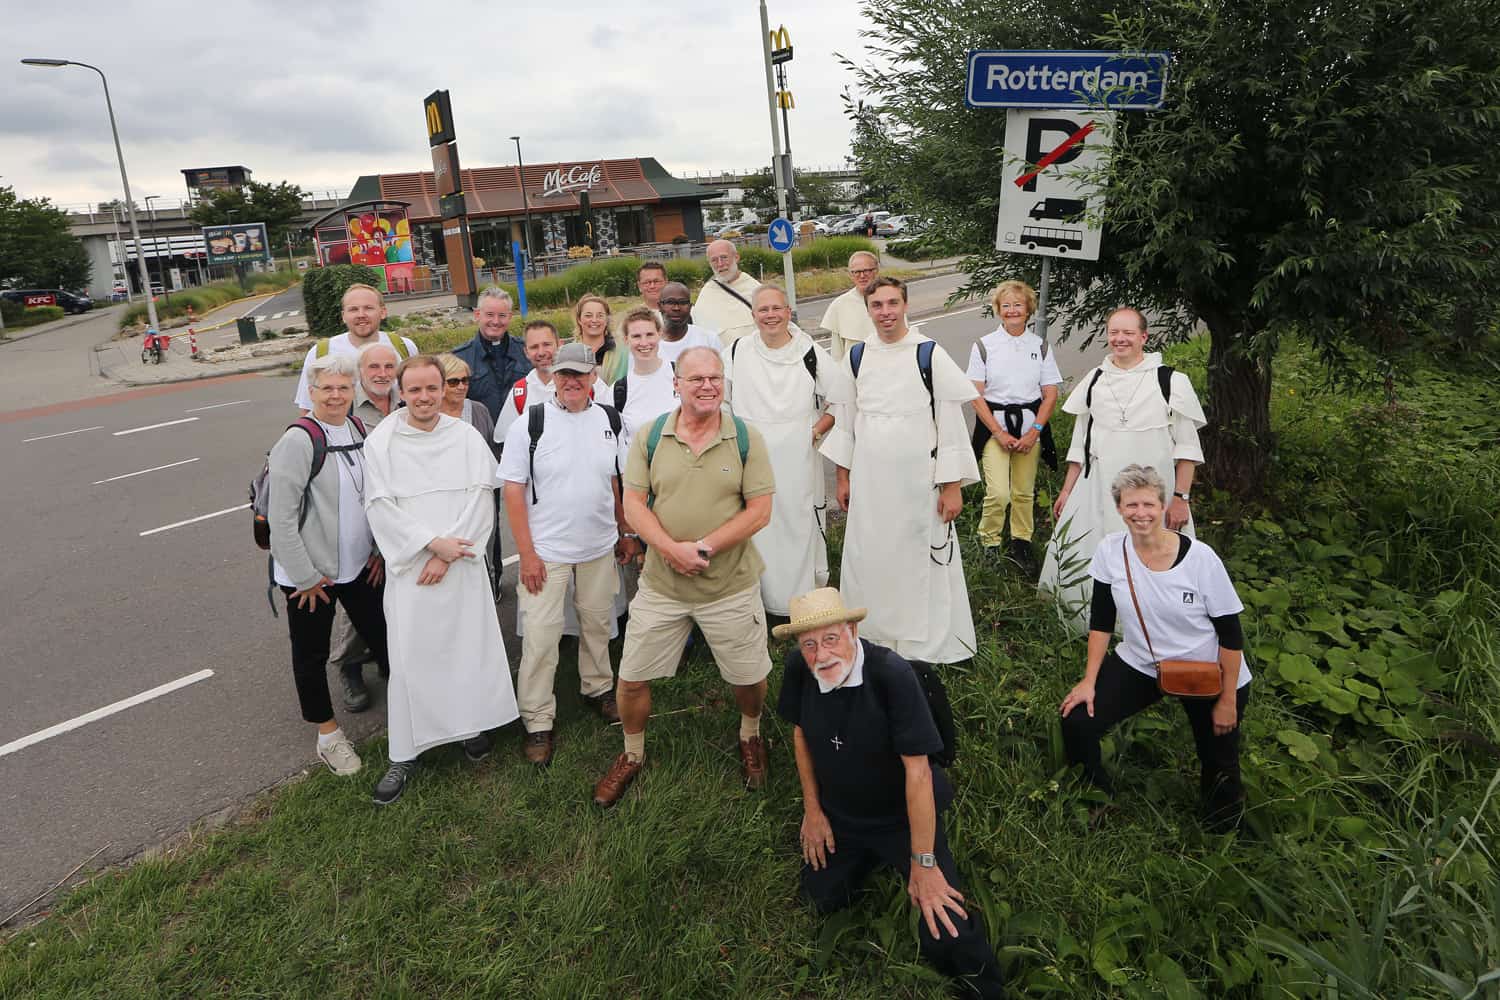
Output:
x=871 y=797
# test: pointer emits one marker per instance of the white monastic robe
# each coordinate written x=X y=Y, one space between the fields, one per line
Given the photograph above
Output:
x=721 y=312
x=1133 y=424
x=849 y=321
x=449 y=676
x=900 y=560
x=772 y=390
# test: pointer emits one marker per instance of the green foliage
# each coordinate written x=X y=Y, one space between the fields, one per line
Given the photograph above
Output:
x=205 y=298
x=816 y=195
x=17 y=317
x=831 y=252
x=1278 y=190
x=36 y=248
x=279 y=206
x=323 y=294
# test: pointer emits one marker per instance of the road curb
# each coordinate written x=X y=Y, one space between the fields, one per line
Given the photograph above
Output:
x=263 y=364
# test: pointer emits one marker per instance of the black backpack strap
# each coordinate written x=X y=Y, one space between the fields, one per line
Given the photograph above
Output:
x=810 y=362
x=621 y=392
x=856 y=355
x=536 y=419
x=1088 y=429
x=924 y=369
x=1164 y=379
x=615 y=424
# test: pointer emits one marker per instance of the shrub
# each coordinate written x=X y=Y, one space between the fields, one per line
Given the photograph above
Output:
x=323 y=292
x=690 y=272
x=11 y=311
x=758 y=262
x=831 y=252
x=33 y=316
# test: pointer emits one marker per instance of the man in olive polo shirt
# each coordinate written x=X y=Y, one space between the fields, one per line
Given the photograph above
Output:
x=695 y=503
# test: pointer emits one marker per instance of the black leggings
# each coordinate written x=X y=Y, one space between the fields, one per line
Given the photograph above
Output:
x=1120 y=692
x=310 y=632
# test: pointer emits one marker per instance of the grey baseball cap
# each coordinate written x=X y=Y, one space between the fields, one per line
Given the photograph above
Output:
x=578 y=358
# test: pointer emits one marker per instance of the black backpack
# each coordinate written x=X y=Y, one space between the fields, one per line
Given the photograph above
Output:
x=942 y=711
x=536 y=422
x=260 y=486
x=924 y=369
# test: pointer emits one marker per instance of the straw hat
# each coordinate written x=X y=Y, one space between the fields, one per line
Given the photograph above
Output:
x=816 y=609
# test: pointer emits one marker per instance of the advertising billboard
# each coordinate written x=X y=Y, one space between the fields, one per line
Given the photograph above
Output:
x=238 y=243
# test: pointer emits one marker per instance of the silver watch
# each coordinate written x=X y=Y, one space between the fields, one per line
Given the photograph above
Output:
x=925 y=860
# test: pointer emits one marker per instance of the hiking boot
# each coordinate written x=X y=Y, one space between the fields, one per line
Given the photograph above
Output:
x=477 y=748
x=1019 y=551
x=340 y=757
x=391 y=786
x=356 y=695
x=753 y=762
x=605 y=705
x=538 y=747
x=611 y=788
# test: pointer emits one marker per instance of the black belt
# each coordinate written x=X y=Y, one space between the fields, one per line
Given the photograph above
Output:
x=1014 y=417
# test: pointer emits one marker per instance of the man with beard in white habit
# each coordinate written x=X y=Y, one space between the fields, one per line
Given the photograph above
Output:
x=781 y=383
x=903 y=454
x=846 y=317
x=431 y=507
x=724 y=300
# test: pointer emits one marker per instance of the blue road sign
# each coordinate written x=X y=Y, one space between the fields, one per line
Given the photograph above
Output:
x=1032 y=78
x=781 y=235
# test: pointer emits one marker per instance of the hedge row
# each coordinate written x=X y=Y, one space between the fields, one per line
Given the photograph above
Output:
x=323 y=295
x=17 y=316
x=210 y=296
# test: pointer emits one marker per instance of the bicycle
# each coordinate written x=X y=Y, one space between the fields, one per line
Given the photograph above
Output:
x=154 y=348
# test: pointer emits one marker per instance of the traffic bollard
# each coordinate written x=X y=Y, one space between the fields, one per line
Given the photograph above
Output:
x=193 y=342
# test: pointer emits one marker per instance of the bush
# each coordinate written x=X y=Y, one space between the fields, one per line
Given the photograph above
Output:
x=11 y=311
x=323 y=293
x=758 y=262
x=831 y=252
x=688 y=271
x=20 y=316
x=204 y=298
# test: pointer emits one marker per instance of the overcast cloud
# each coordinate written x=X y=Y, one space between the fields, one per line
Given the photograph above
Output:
x=299 y=91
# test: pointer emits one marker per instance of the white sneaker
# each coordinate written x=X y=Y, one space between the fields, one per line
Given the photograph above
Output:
x=340 y=757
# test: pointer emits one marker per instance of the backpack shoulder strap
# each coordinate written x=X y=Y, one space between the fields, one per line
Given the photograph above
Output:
x=742 y=440
x=984 y=355
x=622 y=392
x=1088 y=428
x=613 y=415
x=314 y=431
x=1164 y=379
x=856 y=355
x=653 y=438
x=518 y=395
x=359 y=425
x=924 y=369
x=536 y=419
x=398 y=344
x=810 y=362
x=320 y=350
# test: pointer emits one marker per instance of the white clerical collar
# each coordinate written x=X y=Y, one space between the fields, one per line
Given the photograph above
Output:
x=856 y=673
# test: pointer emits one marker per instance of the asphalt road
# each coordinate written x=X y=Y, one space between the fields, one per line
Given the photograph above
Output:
x=127 y=567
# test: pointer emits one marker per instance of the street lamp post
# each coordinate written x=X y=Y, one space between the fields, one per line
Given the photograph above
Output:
x=526 y=205
x=135 y=229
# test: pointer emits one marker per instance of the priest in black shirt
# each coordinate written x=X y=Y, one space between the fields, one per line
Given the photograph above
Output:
x=870 y=795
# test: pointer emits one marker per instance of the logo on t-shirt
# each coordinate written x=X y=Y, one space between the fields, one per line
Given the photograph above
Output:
x=1187 y=597
x=1033 y=355
x=609 y=435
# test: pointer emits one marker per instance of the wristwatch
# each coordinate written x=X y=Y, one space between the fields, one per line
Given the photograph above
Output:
x=925 y=860
x=1181 y=496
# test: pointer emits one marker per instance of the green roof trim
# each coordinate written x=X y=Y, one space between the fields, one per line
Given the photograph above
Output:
x=367 y=188
x=670 y=187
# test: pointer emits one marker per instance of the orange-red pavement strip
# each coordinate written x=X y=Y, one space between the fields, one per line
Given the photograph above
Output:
x=120 y=397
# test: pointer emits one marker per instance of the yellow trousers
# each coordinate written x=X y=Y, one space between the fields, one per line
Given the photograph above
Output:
x=1009 y=479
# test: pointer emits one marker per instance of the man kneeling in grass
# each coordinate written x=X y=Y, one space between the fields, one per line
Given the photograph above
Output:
x=870 y=794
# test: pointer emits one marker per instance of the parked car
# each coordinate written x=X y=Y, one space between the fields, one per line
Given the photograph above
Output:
x=893 y=225
x=30 y=298
x=854 y=224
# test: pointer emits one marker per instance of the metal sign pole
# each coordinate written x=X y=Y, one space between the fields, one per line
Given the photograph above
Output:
x=780 y=181
x=1041 y=304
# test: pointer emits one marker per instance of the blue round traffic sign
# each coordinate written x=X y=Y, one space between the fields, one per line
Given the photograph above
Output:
x=781 y=235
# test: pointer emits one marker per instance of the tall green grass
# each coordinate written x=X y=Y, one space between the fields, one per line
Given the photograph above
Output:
x=204 y=298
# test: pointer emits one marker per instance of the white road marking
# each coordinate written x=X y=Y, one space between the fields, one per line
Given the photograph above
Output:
x=960 y=312
x=259 y=319
x=195 y=520
x=105 y=712
x=215 y=406
x=152 y=427
x=154 y=468
x=96 y=427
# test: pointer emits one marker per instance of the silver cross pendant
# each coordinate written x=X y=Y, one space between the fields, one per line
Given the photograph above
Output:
x=838 y=744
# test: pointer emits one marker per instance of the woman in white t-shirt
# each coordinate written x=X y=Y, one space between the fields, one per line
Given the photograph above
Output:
x=1191 y=612
x=1017 y=381
x=647 y=390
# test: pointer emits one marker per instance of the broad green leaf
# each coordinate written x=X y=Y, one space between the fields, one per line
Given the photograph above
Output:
x=1297 y=667
x=1298 y=744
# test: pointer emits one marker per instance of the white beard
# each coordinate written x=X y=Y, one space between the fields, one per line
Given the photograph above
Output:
x=846 y=667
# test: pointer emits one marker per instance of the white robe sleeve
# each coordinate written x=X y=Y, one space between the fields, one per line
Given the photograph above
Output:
x=1186 y=417
x=402 y=538
x=955 y=455
x=1076 y=404
x=838 y=444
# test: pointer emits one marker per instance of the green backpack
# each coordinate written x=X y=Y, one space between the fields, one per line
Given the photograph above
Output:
x=741 y=439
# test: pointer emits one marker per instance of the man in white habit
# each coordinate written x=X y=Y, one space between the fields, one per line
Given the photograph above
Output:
x=724 y=300
x=903 y=457
x=431 y=508
x=846 y=317
x=781 y=383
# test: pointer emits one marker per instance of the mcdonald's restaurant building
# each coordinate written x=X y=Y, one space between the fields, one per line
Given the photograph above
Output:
x=630 y=202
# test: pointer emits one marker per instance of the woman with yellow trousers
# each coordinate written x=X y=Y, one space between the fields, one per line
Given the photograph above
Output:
x=1017 y=379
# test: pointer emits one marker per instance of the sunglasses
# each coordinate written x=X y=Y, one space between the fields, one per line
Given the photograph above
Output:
x=456 y=382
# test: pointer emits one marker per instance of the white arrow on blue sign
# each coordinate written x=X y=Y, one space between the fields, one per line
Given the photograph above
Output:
x=1031 y=78
x=781 y=235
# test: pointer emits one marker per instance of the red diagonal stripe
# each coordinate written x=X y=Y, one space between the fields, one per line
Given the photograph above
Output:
x=1051 y=157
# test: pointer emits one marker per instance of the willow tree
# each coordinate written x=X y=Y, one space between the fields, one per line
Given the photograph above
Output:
x=1319 y=169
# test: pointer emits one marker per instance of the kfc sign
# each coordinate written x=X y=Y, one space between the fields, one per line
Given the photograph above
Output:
x=575 y=178
x=44 y=299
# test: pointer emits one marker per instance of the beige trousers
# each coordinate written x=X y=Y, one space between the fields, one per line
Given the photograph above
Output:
x=1009 y=479
x=594 y=587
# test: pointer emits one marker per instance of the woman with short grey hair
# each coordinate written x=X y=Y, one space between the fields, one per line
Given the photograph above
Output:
x=321 y=545
x=1178 y=604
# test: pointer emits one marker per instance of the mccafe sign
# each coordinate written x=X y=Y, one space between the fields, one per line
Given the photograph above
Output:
x=578 y=177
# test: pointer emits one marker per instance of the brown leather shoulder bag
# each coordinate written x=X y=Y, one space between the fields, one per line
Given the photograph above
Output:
x=1179 y=678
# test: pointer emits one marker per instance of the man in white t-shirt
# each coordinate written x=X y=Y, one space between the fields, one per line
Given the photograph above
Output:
x=563 y=502
x=363 y=310
x=542 y=344
x=649 y=389
x=678 y=332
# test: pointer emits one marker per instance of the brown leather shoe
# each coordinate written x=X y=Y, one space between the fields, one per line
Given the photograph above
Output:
x=753 y=762
x=605 y=705
x=538 y=747
x=611 y=787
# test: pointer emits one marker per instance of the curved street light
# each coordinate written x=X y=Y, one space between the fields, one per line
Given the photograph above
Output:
x=135 y=229
x=525 y=204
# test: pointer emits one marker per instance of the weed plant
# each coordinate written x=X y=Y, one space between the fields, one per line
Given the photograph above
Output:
x=1366 y=867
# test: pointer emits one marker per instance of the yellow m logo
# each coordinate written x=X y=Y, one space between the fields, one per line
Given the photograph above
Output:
x=434 y=118
x=781 y=38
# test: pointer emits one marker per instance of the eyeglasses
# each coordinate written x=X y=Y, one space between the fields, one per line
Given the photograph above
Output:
x=696 y=380
x=333 y=388
x=860 y=272
x=456 y=382
x=675 y=302
x=829 y=642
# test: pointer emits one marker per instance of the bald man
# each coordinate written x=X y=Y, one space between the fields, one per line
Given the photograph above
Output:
x=724 y=300
x=847 y=318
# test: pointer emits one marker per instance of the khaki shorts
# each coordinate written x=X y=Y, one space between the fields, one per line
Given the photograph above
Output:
x=735 y=627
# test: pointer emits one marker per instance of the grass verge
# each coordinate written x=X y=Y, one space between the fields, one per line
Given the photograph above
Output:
x=204 y=298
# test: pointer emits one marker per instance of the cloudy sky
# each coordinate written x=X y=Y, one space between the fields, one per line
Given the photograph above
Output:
x=300 y=91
